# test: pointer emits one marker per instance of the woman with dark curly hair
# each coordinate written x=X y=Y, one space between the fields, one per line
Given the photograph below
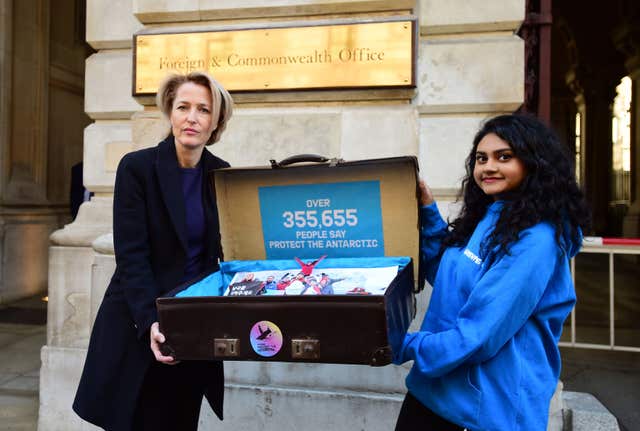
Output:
x=486 y=355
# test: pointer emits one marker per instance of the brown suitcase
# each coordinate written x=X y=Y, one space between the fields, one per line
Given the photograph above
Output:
x=345 y=329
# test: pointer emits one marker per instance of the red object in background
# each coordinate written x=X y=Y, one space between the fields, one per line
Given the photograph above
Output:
x=621 y=241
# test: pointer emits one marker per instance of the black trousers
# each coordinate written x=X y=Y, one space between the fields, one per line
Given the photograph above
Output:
x=415 y=416
x=170 y=397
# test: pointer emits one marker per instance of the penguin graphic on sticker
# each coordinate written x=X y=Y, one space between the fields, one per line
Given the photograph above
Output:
x=266 y=338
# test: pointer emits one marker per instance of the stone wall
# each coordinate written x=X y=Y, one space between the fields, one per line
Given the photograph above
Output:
x=470 y=66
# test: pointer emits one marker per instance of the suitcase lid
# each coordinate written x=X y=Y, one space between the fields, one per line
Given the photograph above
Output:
x=337 y=208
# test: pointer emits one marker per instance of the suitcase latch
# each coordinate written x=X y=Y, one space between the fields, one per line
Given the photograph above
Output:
x=305 y=349
x=226 y=347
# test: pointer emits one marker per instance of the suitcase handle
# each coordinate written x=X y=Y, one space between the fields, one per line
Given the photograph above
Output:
x=302 y=158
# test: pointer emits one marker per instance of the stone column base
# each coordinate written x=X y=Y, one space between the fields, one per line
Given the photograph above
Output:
x=59 y=377
x=24 y=240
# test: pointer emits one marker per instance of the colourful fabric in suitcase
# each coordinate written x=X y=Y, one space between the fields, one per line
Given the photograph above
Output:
x=218 y=282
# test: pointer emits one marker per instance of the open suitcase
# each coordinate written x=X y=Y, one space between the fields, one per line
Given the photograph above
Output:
x=305 y=220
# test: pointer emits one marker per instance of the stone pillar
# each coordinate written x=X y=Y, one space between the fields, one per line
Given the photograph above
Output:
x=6 y=42
x=628 y=42
x=26 y=216
x=68 y=318
x=78 y=274
x=631 y=224
x=41 y=118
x=594 y=92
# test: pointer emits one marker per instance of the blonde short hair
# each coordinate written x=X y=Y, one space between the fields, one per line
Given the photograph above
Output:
x=221 y=99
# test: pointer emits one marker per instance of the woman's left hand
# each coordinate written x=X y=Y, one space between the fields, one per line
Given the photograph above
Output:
x=426 y=196
x=157 y=338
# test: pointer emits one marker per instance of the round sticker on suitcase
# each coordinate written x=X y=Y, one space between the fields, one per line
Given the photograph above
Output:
x=266 y=338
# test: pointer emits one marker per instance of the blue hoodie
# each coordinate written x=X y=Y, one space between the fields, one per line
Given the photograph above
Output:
x=486 y=355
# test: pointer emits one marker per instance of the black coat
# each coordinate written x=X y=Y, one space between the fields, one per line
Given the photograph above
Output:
x=150 y=240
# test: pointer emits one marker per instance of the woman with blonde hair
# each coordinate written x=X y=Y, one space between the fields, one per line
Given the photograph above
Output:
x=165 y=232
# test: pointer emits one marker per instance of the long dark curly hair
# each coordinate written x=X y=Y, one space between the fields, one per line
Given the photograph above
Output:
x=549 y=191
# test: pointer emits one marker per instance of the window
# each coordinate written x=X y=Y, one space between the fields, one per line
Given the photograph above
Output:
x=578 y=147
x=621 y=143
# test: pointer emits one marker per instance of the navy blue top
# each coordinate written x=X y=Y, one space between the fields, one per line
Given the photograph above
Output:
x=194 y=217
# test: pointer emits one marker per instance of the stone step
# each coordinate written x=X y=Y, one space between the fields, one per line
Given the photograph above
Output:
x=18 y=410
x=584 y=412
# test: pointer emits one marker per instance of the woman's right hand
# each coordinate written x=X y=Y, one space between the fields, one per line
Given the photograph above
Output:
x=426 y=197
x=157 y=338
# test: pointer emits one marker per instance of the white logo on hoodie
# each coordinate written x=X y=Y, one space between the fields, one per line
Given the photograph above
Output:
x=471 y=255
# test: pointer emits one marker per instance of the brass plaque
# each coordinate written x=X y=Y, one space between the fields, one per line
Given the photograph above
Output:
x=354 y=55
